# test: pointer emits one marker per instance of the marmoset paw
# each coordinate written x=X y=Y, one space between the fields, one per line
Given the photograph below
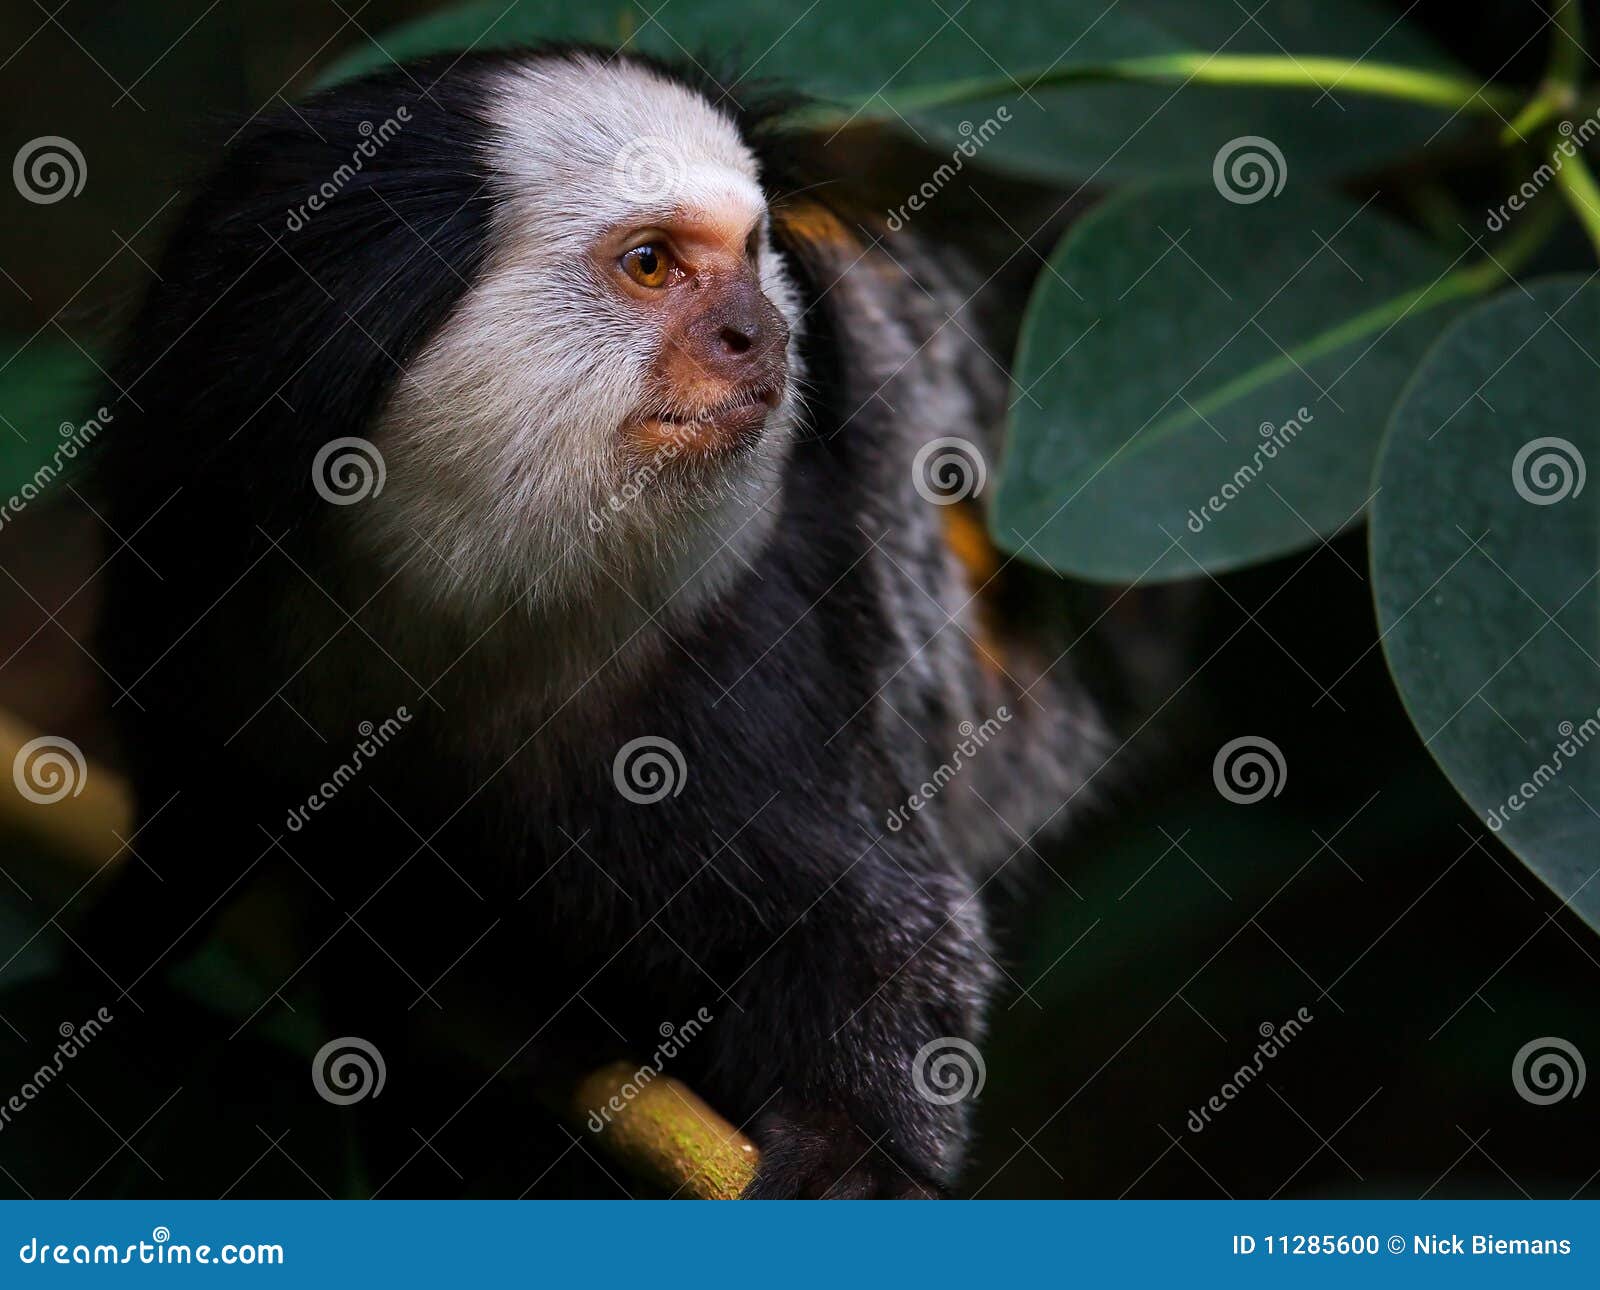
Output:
x=822 y=1155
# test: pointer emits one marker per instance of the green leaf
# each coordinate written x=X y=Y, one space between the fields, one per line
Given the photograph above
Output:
x=866 y=57
x=1184 y=348
x=1485 y=552
x=44 y=392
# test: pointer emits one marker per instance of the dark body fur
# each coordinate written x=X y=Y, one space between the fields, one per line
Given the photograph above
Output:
x=486 y=855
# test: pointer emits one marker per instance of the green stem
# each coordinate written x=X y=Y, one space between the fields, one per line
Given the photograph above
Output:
x=1542 y=108
x=1558 y=93
x=1583 y=195
x=1561 y=85
x=1516 y=250
x=1566 y=50
x=1383 y=80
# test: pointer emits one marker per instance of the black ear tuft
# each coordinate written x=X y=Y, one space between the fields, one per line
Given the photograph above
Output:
x=331 y=239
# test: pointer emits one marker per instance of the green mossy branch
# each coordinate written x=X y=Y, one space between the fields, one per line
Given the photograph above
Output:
x=664 y=1133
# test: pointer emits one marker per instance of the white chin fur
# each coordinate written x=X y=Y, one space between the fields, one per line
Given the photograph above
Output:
x=507 y=478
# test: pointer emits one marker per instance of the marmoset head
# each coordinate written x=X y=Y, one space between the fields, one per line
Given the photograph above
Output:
x=616 y=389
x=519 y=316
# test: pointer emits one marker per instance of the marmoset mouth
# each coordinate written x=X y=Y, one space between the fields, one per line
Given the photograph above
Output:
x=733 y=423
x=764 y=397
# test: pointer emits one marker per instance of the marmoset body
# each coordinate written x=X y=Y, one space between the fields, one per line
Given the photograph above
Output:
x=542 y=533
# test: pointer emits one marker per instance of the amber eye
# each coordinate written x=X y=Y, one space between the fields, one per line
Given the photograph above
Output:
x=648 y=265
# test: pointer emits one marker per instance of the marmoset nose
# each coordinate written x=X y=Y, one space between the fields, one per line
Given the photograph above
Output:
x=738 y=337
x=742 y=335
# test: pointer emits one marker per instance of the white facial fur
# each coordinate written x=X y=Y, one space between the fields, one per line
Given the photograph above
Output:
x=507 y=475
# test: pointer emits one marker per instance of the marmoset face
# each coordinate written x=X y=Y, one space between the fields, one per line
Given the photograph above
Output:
x=720 y=363
x=628 y=351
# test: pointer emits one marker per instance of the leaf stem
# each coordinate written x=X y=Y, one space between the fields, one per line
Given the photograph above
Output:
x=1516 y=250
x=1578 y=185
x=1540 y=109
x=1382 y=80
x=1558 y=92
x=1566 y=49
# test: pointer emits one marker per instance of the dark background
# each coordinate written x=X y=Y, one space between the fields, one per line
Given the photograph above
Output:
x=1143 y=961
